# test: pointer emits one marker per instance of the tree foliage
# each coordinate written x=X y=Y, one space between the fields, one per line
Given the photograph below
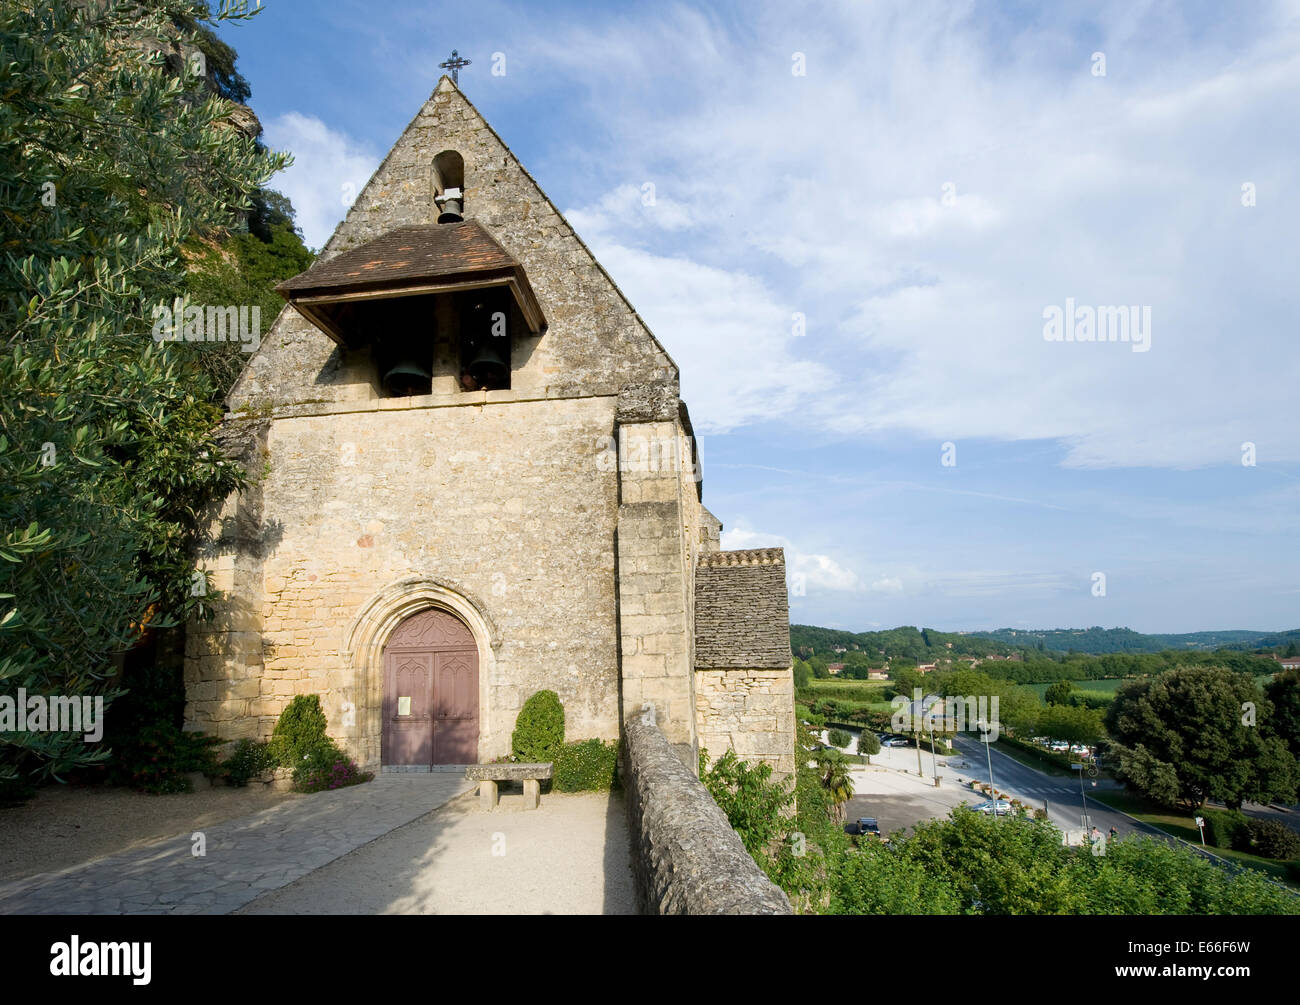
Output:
x=1207 y=728
x=110 y=161
x=753 y=803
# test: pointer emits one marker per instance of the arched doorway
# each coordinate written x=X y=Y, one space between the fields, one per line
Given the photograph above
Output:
x=431 y=698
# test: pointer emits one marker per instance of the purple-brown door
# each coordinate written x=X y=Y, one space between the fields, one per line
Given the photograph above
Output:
x=431 y=692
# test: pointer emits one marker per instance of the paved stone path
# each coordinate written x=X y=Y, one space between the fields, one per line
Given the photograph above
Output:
x=572 y=855
x=245 y=857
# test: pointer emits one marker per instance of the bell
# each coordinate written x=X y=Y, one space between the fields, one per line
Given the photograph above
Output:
x=452 y=204
x=490 y=368
x=406 y=378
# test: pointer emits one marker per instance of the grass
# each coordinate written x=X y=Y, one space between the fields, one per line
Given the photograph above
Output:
x=1183 y=825
x=842 y=690
x=1108 y=687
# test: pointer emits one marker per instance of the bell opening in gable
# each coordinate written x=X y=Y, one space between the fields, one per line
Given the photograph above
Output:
x=439 y=308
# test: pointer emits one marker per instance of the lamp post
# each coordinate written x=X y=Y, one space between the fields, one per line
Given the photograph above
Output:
x=1084 y=796
x=993 y=794
x=934 y=757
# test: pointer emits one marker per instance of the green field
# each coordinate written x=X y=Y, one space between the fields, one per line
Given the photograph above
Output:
x=847 y=690
x=1108 y=687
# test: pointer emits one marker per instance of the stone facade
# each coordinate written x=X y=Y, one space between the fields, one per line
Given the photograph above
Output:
x=750 y=712
x=744 y=681
x=560 y=518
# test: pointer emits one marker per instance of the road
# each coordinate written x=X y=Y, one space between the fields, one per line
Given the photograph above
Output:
x=1060 y=795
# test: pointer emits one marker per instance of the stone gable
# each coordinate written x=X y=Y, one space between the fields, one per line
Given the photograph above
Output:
x=595 y=342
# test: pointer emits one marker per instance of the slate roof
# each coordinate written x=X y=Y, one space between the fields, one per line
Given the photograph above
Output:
x=742 y=615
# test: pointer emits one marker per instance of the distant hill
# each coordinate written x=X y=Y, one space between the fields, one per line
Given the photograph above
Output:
x=1124 y=640
x=923 y=643
x=904 y=642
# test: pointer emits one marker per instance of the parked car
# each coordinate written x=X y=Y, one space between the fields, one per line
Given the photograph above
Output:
x=1060 y=745
x=1081 y=750
x=1001 y=807
x=869 y=826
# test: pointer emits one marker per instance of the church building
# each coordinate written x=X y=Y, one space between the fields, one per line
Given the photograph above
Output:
x=474 y=478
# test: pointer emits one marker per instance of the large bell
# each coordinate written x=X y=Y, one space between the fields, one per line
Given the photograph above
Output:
x=406 y=378
x=490 y=366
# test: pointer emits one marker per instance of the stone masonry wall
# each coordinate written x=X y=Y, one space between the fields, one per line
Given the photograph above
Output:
x=750 y=712
x=505 y=504
x=686 y=857
x=655 y=586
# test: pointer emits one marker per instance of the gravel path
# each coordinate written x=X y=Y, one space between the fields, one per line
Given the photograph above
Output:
x=244 y=857
x=66 y=825
x=569 y=856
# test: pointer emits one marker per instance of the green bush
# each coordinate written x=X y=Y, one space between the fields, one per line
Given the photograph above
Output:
x=299 y=730
x=1226 y=828
x=585 y=766
x=868 y=742
x=248 y=760
x=539 y=730
x=159 y=757
x=326 y=767
x=839 y=738
x=1272 y=839
x=753 y=803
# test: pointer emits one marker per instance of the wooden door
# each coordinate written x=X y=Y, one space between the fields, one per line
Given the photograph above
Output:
x=430 y=692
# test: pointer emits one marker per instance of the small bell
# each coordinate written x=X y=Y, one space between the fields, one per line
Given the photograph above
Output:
x=452 y=205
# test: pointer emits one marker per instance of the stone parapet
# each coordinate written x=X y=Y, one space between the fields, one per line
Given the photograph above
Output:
x=686 y=856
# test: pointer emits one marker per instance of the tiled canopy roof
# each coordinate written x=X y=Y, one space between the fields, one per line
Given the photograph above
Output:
x=430 y=258
x=742 y=617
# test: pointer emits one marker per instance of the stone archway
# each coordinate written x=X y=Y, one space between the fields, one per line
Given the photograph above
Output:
x=369 y=634
x=431 y=693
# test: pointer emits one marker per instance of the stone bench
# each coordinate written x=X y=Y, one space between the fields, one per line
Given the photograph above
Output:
x=489 y=775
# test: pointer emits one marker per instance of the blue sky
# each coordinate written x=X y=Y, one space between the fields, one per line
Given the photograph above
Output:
x=935 y=181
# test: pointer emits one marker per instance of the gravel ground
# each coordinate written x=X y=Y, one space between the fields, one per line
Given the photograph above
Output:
x=64 y=826
x=569 y=856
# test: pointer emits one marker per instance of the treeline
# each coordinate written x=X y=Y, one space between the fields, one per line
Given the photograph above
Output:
x=1043 y=667
x=1039 y=668
x=1097 y=640
x=927 y=644
x=917 y=644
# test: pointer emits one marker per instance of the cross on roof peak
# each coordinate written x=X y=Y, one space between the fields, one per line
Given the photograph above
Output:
x=454 y=64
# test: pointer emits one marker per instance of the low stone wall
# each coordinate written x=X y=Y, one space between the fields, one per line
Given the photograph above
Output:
x=686 y=857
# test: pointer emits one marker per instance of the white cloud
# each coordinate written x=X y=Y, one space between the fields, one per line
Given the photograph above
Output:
x=812 y=571
x=731 y=339
x=826 y=195
x=327 y=167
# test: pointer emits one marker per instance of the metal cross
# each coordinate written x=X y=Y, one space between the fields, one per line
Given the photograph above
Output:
x=454 y=64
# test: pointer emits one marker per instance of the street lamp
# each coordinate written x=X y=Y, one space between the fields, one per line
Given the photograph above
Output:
x=934 y=758
x=1084 y=795
x=993 y=794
